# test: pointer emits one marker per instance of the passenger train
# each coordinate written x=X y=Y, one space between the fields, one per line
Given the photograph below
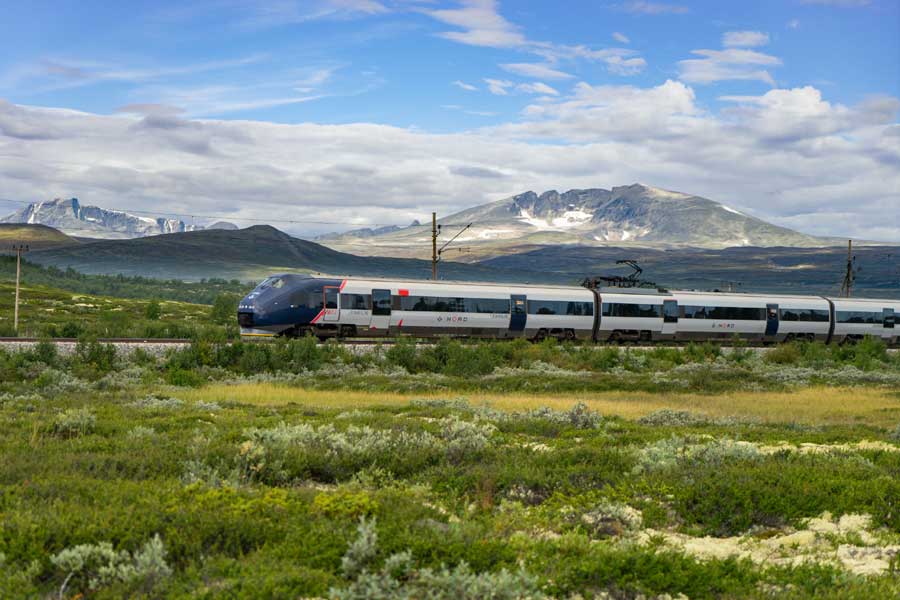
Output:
x=296 y=305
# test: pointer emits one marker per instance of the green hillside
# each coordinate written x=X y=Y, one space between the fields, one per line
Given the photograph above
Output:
x=53 y=312
x=246 y=254
x=35 y=236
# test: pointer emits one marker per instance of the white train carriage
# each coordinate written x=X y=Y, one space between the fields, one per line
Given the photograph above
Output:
x=635 y=316
x=381 y=307
x=718 y=316
x=856 y=318
x=802 y=318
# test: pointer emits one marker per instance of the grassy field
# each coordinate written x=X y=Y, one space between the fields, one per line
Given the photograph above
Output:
x=811 y=406
x=295 y=470
x=53 y=312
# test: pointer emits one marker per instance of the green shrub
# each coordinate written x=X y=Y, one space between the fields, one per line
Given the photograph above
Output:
x=344 y=503
x=184 y=378
x=399 y=578
x=89 y=567
x=153 y=310
x=402 y=353
x=785 y=354
x=224 y=308
x=74 y=422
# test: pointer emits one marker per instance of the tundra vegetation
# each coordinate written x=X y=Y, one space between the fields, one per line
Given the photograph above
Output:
x=503 y=470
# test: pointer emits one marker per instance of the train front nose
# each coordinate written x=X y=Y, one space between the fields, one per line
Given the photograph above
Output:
x=246 y=312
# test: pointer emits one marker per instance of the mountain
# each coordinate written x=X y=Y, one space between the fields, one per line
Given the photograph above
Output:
x=368 y=232
x=222 y=225
x=34 y=236
x=70 y=216
x=248 y=254
x=628 y=215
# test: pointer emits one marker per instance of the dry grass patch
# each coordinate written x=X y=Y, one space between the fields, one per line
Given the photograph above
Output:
x=822 y=405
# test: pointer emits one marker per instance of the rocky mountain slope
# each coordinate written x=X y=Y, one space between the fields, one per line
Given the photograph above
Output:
x=628 y=215
x=74 y=218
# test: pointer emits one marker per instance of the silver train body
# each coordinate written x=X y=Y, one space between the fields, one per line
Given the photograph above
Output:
x=357 y=307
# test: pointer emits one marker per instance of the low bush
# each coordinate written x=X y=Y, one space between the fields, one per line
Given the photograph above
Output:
x=74 y=422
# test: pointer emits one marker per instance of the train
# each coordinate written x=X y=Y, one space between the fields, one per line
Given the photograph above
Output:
x=295 y=305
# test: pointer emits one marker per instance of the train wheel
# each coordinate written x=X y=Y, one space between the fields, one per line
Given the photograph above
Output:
x=540 y=336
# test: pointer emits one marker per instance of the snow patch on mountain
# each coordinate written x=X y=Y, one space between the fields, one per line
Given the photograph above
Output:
x=74 y=218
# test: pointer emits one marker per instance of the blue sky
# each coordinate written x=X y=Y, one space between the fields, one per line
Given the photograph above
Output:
x=618 y=85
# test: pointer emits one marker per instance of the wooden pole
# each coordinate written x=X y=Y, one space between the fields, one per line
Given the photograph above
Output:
x=19 y=250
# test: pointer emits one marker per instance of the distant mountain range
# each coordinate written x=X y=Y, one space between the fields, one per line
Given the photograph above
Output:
x=253 y=253
x=76 y=219
x=367 y=232
x=623 y=216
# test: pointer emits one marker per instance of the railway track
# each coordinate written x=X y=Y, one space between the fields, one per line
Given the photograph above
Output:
x=364 y=342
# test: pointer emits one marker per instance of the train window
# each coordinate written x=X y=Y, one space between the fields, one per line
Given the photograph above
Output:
x=560 y=307
x=804 y=315
x=315 y=300
x=724 y=313
x=547 y=307
x=381 y=302
x=580 y=309
x=858 y=317
x=276 y=282
x=613 y=309
x=487 y=305
x=889 y=318
x=518 y=306
x=356 y=301
x=670 y=311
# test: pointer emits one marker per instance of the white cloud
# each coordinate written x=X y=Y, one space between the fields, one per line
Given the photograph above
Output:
x=498 y=87
x=621 y=38
x=793 y=24
x=644 y=7
x=727 y=64
x=625 y=66
x=536 y=70
x=465 y=86
x=745 y=39
x=789 y=155
x=480 y=23
x=537 y=88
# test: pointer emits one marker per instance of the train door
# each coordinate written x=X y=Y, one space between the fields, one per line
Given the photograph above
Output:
x=889 y=318
x=670 y=317
x=381 y=312
x=330 y=305
x=518 y=314
x=771 y=320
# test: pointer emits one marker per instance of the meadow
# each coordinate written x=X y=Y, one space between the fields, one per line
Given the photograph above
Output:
x=506 y=470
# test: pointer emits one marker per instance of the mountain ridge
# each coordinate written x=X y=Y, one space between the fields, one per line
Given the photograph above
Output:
x=632 y=214
x=250 y=253
x=69 y=216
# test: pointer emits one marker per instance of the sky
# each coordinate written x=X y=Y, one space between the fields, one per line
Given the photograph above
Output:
x=327 y=115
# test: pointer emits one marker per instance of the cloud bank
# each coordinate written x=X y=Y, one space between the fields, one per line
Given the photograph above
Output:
x=788 y=155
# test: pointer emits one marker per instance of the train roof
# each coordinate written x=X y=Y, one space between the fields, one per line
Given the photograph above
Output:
x=604 y=290
x=505 y=284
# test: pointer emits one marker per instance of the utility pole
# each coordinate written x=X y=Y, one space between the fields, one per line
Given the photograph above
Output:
x=847 y=285
x=19 y=249
x=434 y=254
x=435 y=251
